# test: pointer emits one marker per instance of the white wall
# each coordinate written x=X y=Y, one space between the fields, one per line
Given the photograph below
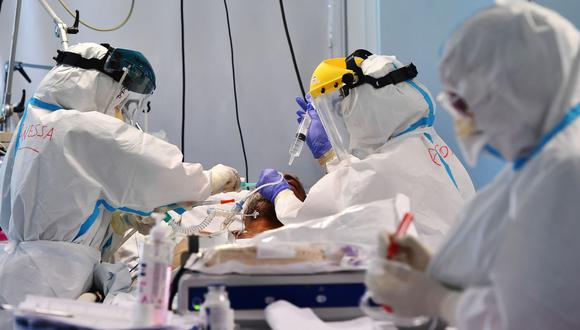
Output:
x=412 y=30
x=363 y=28
x=265 y=76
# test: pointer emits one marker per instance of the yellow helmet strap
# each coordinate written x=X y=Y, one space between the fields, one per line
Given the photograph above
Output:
x=392 y=78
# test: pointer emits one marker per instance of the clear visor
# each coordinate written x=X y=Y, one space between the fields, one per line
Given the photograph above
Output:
x=330 y=108
x=140 y=77
x=455 y=105
x=135 y=112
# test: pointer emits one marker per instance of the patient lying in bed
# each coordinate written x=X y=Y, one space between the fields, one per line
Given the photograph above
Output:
x=265 y=220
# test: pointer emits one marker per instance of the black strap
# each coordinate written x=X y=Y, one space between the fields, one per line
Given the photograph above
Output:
x=76 y=60
x=349 y=79
x=392 y=78
x=360 y=53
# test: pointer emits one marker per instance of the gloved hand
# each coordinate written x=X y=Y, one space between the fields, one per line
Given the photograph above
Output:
x=316 y=139
x=409 y=251
x=142 y=224
x=408 y=292
x=224 y=179
x=121 y=222
x=270 y=175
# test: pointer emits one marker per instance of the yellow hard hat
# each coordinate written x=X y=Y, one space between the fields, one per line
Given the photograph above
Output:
x=328 y=76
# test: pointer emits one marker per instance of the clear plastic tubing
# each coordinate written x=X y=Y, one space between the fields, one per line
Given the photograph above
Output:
x=194 y=229
x=229 y=214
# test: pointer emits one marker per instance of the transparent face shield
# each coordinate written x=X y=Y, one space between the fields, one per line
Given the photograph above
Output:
x=126 y=104
x=132 y=70
x=136 y=82
x=118 y=97
x=471 y=139
x=135 y=111
x=455 y=105
x=330 y=108
x=463 y=117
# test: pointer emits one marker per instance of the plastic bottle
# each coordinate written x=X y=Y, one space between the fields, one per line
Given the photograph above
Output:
x=216 y=311
x=154 y=277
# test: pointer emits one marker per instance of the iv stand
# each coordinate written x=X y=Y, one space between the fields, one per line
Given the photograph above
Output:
x=7 y=106
x=61 y=31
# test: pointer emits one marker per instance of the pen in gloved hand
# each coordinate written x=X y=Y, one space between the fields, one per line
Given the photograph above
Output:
x=393 y=248
x=401 y=230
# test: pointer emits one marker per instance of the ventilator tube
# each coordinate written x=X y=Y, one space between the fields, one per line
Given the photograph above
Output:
x=154 y=277
x=193 y=229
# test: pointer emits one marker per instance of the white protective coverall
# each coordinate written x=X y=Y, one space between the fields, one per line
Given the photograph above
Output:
x=514 y=250
x=67 y=168
x=414 y=161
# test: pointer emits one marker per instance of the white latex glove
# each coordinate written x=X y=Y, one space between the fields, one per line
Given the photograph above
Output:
x=122 y=222
x=142 y=224
x=224 y=179
x=408 y=292
x=409 y=251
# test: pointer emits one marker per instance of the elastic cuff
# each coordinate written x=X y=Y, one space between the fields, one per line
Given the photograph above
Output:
x=330 y=154
x=283 y=194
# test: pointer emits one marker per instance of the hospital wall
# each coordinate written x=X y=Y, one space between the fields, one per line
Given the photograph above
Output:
x=416 y=31
x=412 y=30
x=266 y=82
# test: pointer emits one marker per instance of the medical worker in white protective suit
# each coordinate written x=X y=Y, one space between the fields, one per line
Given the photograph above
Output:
x=379 y=124
x=72 y=163
x=510 y=77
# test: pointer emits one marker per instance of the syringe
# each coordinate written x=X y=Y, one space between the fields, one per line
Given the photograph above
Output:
x=296 y=147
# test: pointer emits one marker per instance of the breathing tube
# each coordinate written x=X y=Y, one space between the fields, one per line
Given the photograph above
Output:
x=212 y=213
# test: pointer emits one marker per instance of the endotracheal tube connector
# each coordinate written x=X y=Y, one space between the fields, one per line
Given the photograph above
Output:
x=239 y=206
x=300 y=138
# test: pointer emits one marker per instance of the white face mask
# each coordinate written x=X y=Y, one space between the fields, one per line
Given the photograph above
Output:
x=471 y=140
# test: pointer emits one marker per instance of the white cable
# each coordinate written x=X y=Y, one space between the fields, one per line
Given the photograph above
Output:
x=116 y=27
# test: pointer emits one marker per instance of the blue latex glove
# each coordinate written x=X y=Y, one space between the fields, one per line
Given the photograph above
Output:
x=270 y=175
x=316 y=139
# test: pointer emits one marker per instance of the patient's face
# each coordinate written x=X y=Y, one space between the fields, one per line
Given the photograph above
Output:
x=267 y=218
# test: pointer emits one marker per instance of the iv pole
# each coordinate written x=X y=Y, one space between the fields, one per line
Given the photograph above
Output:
x=7 y=106
x=61 y=31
